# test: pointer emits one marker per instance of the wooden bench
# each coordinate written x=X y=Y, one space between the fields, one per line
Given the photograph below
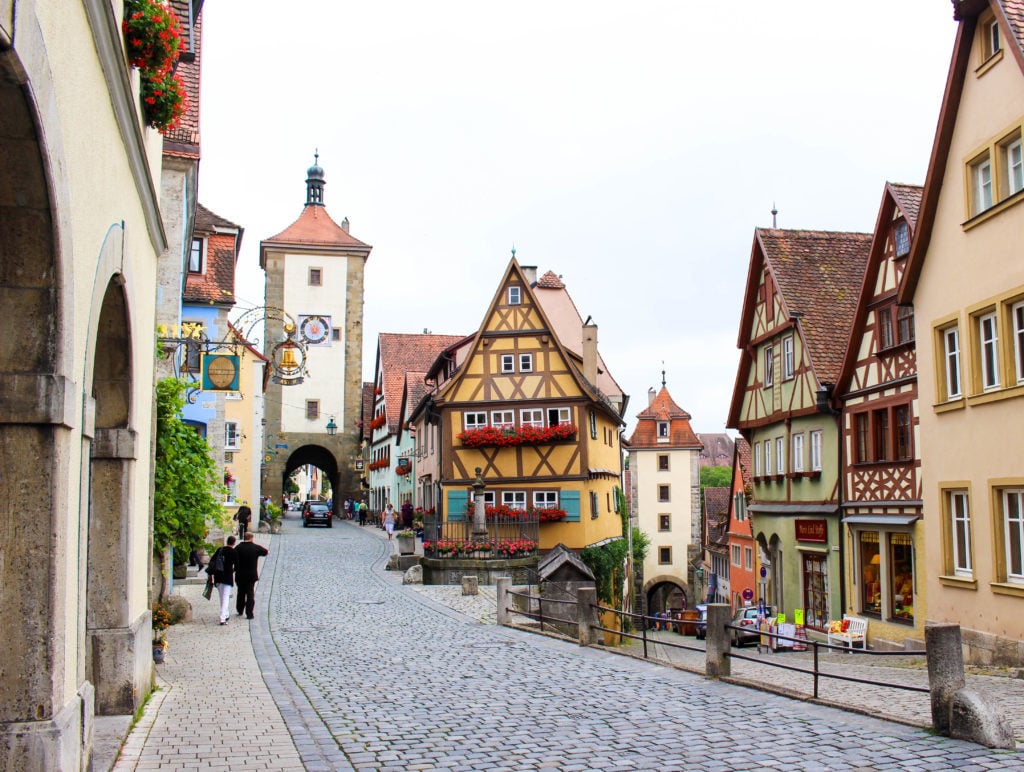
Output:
x=856 y=633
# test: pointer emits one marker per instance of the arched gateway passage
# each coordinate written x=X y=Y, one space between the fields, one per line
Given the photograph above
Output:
x=665 y=595
x=323 y=459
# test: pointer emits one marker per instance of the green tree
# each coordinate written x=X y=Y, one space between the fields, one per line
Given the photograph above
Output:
x=188 y=488
x=715 y=477
x=608 y=563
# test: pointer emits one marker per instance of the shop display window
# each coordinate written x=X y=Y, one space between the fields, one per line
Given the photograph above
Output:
x=870 y=573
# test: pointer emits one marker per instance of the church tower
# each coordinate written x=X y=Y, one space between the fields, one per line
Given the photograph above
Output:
x=314 y=273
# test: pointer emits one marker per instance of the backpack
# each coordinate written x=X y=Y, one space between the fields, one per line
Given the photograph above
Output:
x=217 y=564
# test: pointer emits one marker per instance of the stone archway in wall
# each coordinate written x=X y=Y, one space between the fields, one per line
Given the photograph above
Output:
x=110 y=640
x=324 y=460
x=663 y=593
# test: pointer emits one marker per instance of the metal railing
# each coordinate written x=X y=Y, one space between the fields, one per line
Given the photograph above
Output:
x=507 y=537
x=539 y=615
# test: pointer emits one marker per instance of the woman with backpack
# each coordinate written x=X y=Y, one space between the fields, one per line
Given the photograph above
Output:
x=221 y=570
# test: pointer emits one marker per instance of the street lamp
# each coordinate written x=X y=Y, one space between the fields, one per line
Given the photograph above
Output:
x=332 y=428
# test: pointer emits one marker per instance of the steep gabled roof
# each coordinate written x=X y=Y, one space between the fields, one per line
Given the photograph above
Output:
x=1010 y=15
x=902 y=198
x=216 y=284
x=366 y=395
x=314 y=228
x=745 y=459
x=663 y=408
x=412 y=394
x=716 y=511
x=399 y=354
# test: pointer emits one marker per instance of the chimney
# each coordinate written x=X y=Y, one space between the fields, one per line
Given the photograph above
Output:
x=529 y=273
x=651 y=394
x=344 y=225
x=590 y=351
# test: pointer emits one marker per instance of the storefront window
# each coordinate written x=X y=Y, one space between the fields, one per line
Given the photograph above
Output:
x=870 y=573
x=901 y=558
x=816 y=611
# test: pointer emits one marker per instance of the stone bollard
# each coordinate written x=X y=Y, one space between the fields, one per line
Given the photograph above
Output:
x=586 y=615
x=717 y=641
x=470 y=585
x=504 y=584
x=957 y=711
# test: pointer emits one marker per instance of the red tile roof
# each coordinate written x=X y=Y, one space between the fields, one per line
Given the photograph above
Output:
x=183 y=141
x=551 y=280
x=908 y=199
x=746 y=461
x=216 y=284
x=367 y=410
x=663 y=408
x=716 y=512
x=315 y=228
x=399 y=354
x=819 y=274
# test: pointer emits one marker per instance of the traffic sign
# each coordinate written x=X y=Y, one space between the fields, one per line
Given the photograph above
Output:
x=764 y=572
x=748 y=594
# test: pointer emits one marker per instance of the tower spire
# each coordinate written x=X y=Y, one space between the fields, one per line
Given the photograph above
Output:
x=315 y=182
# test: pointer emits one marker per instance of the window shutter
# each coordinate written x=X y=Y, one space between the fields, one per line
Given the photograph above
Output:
x=570 y=502
x=457 y=505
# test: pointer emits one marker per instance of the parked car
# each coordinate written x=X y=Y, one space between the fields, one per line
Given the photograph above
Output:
x=746 y=618
x=702 y=622
x=316 y=512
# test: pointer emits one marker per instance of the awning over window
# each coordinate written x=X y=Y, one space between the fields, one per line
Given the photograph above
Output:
x=880 y=519
x=793 y=509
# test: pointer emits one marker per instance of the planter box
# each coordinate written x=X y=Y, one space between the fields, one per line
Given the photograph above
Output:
x=406 y=545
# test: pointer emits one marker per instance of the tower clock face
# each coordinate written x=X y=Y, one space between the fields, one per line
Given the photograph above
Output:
x=221 y=372
x=314 y=329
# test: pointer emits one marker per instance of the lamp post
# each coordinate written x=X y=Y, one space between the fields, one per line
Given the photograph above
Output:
x=332 y=428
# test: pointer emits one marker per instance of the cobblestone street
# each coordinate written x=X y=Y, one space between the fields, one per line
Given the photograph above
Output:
x=367 y=674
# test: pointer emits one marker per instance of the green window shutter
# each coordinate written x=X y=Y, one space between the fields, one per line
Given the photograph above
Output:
x=457 y=504
x=570 y=502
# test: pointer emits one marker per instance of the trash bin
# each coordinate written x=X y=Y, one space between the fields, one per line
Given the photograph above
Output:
x=690 y=617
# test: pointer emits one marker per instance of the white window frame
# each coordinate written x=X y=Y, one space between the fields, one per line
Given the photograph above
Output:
x=780 y=455
x=981 y=183
x=526 y=363
x=992 y=38
x=788 y=361
x=757 y=459
x=816 y=450
x=232 y=436
x=514 y=499
x=960 y=532
x=562 y=415
x=1017 y=317
x=532 y=416
x=663 y=430
x=767 y=448
x=545 y=499
x=988 y=349
x=951 y=359
x=1013 y=533
x=503 y=419
x=748 y=558
x=474 y=420
x=515 y=296
x=1013 y=158
x=737 y=555
x=798 y=452
x=199 y=264
x=769 y=366
x=508 y=363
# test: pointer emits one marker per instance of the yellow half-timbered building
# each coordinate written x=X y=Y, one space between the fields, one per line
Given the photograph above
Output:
x=529 y=402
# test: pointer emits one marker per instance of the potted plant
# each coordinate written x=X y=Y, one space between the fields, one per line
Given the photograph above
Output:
x=161 y=621
x=406 y=542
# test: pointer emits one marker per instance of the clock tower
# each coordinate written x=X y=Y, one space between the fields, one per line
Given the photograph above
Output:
x=314 y=272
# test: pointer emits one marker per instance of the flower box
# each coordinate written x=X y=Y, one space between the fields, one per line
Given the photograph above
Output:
x=494 y=437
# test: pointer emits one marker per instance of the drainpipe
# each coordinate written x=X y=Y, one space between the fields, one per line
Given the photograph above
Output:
x=825 y=398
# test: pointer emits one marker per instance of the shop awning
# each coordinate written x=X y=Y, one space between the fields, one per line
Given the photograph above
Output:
x=793 y=509
x=880 y=519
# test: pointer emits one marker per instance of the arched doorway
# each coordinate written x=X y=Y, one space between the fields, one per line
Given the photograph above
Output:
x=322 y=459
x=665 y=594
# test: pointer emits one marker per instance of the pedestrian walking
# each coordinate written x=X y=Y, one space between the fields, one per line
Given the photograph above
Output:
x=222 y=568
x=247 y=558
x=363 y=510
x=243 y=516
x=388 y=518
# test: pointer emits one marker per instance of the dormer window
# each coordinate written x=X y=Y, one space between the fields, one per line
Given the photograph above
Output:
x=663 y=429
x=901 y=237
x=515 y=296
x=195 y=257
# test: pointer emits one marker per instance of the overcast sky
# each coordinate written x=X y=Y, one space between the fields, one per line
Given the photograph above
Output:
x=631 y=148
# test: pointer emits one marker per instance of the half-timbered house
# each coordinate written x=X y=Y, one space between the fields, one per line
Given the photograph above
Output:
x=664 y=463
x=529 y=402
x=801 y=293
x=965 y=278
x=877 y=389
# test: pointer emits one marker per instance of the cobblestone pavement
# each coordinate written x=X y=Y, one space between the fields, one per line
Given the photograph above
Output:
x=369 y=674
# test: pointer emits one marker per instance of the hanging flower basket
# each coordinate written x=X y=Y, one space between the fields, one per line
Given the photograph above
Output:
x=490 y=436
x=163 y=100
x=152 y=35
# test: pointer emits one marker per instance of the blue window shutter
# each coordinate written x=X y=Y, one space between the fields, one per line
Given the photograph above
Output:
x=457 y=505
x=570 y=502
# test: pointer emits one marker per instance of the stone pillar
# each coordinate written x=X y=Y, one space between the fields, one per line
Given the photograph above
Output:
x=504 y=584
x=717 y=662
x=945 y=671
x=470 y=585
x=586 y=615
x=479 y=513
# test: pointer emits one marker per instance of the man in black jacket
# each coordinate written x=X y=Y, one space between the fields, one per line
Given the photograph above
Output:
x=247 y=555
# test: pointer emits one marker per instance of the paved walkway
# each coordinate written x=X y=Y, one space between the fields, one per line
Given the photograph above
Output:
x=368 y=674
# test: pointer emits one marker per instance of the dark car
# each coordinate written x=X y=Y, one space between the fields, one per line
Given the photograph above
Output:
x=316 y=512
x=745 y=618
x=702 y=622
